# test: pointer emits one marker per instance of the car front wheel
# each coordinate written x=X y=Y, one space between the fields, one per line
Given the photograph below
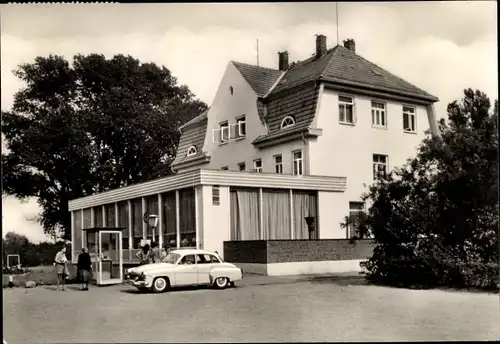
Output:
x=160 y=285
x=221 y=282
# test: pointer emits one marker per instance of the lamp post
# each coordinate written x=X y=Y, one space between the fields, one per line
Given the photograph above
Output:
x=153 y=223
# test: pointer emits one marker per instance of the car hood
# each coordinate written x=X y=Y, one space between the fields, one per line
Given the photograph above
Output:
x=151 y=267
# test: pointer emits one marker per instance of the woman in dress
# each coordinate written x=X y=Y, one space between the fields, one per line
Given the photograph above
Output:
x=84 y=266
x=61 y=268
x=144 y=255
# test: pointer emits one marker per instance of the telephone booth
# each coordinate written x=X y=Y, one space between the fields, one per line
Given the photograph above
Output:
x=105 y=248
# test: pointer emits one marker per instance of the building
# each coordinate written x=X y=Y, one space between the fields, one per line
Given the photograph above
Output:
x=275 y=147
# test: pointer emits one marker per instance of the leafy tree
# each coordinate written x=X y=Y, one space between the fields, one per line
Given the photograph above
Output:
x=95 y=125
x=435 y=220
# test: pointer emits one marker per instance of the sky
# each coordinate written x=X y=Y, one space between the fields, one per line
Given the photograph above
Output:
x=441 y=47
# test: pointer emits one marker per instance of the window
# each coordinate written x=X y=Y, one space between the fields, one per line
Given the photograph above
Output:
x=346 y=110
x=206 y=259
x=378 y=114
x=225 y=168
x=288 y=121
x=297 y=163
x=242 y=166
x=356 y=213
x=409 y=124
x=241 y=127
x=188 y=260
x=215 y=195
x=379 y=165
x=191 y=151
x=231 y=90
x=278 y=164
x=257 y=165
x=224 y=129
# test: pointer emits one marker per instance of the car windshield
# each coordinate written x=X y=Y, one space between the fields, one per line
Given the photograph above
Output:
x=171 y=258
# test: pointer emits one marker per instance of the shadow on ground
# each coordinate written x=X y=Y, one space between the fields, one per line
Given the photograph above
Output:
x=338 y=280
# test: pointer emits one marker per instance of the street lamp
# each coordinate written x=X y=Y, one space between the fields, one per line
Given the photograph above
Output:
x=153 y=223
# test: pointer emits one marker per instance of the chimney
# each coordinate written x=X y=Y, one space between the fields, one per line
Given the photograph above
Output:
x=349 y=44
x=320 y=46
x=283 y=60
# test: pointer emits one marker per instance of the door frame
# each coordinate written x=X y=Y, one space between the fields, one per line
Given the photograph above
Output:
x=99 y=261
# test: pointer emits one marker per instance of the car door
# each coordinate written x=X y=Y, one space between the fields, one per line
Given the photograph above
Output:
x=186 y=272
x=204 y=264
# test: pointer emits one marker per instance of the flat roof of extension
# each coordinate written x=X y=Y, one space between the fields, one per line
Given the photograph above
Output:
x=211 y=177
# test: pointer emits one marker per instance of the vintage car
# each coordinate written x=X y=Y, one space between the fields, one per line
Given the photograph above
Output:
x=186 y=267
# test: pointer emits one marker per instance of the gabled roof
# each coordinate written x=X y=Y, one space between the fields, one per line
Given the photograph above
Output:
x=197 y=119
x=259 y=78
x=343 y=65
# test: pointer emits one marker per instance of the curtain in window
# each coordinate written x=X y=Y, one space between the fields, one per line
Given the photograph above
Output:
x=110 y=215
x=123 y=222
x=87 y=220
x=136 y=222
x=276 y=215
x=98 y=216
x=77 y=226
x=169 y=220
x=304 y=204
x=187 y=214
x=245 y=215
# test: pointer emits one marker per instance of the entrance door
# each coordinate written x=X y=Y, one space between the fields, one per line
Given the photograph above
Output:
x=110 y=263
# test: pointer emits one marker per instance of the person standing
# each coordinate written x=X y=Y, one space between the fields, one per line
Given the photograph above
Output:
x=84 y=267
x=61 y=268
x=155 y=253
x=144 y=255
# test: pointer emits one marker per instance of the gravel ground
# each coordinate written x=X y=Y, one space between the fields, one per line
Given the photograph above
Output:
x=273 y=309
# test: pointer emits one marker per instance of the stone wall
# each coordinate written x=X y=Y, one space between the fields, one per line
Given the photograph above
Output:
x=285 y=251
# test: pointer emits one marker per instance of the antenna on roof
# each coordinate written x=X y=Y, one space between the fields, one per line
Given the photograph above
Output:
x=257 y=52
x=337 y=15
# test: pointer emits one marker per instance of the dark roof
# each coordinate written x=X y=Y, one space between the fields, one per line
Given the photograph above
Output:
x=259 y=78
x=341 y=64
x=192 y=134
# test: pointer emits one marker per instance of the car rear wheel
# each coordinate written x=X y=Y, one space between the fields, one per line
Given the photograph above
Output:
x=221 y=282
x=160 y=285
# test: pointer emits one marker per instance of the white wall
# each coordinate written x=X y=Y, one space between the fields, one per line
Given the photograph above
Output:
x=345 y=150
x=216 y=219
x=227 y=108
x=330 y=210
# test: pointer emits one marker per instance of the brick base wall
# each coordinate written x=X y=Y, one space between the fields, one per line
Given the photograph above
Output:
x=287 y=251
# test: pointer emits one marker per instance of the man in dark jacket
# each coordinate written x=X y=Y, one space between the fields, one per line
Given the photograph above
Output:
x=84 y=266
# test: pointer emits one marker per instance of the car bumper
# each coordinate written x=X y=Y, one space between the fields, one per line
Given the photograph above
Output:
x=137 y=284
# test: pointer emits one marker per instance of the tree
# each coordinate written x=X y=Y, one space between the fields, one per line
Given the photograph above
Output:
x=435 y=220
x=90 y=127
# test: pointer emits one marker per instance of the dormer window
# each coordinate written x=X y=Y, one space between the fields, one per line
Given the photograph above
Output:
x=288 y=121
x=192 y=151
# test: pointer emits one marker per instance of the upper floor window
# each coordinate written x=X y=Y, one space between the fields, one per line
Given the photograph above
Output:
x=297 y=163
x=215 y=195
x=378 y=115
x=257 y=165
x=288 y=121
x=346 y=110
x=225 y=168
x=224 y=132
x=242 y=166
x=379 y=165
x=409 y=120
x=191 y=151
x=231 y=90
x=241 y=127
x=278 y=164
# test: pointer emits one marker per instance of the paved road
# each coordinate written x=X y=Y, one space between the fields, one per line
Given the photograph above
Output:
x=259 y=309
